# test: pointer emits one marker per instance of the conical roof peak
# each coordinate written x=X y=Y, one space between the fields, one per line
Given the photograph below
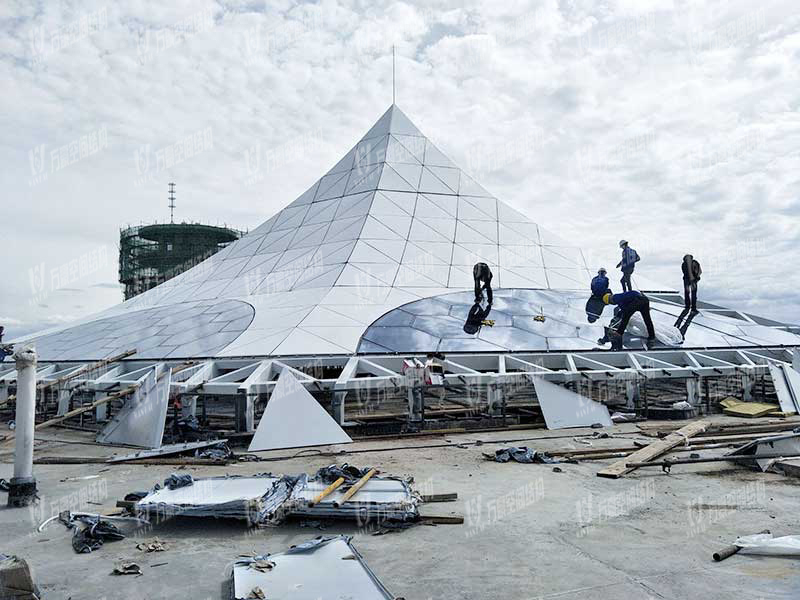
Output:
x=394 y=221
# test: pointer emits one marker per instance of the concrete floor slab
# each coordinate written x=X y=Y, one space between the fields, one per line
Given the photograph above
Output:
x=529 y=532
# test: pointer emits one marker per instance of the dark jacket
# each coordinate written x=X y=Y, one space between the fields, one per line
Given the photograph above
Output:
x=626 y=298
x=691 y=269
x=629 y=258
x=599 y=285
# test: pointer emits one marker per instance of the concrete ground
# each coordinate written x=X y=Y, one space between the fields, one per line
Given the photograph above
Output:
x=529 y=532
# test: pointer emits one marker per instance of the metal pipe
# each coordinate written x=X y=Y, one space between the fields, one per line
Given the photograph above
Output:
x=692 y=461
x=22 y=487
x=26 y=412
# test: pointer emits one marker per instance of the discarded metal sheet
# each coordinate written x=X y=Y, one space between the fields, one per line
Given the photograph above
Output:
x=168 y=450
x=563 y=408
x=379 y=498
x=140 y=421
x=293 y=419
x=263 y=499
x=793 y=383
x=782 y=388
x=787 y=444
x=223 y=497
x=328 y=567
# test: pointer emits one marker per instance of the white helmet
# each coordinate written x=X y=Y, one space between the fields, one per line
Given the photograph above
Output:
x=622 y=243
x=602 y=271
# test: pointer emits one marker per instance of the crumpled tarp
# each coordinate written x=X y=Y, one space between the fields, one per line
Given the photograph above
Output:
x=521 y=454
x=173 y=482
x=764 y=543
x=350 y=473
x=89 y=532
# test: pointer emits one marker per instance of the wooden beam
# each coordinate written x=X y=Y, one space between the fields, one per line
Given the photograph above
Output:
x=654 y=450
x=442 y=519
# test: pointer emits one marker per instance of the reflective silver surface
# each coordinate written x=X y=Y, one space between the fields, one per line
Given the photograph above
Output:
x=437 y=324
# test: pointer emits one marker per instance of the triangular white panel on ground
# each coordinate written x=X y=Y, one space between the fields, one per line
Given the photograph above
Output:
x=563 y=408
x=294 y=419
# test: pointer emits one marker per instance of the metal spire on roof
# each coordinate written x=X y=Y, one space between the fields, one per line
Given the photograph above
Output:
x=171 y=202
x=393 y=75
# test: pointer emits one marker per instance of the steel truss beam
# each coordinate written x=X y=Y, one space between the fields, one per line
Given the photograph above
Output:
x=256 y=377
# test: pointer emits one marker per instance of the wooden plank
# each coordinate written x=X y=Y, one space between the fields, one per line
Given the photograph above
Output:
x=751 y=409
x=355 y=487
x=442 y=520
x=654 y=450
x=327 y=491
x=440 y=497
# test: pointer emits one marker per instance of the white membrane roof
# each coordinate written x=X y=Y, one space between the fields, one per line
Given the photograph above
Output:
x=393 y=222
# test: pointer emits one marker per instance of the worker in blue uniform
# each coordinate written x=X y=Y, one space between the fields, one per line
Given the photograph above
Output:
x=629 y=259
x=629 y=303
x=599 y=285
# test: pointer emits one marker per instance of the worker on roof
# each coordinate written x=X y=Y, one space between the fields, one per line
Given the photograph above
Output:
x=629 y=303
x=482 y=275
x=599 y=283
x=629 y=259
x=691 y=275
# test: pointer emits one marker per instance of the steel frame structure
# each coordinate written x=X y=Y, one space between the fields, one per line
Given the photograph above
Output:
x=250 y=379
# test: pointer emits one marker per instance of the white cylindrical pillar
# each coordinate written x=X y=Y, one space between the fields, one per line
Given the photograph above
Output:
x=23 y=486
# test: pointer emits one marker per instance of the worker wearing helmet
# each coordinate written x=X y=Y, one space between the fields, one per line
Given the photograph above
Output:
x=599 y=283
x=629 y=303
x=629 y=259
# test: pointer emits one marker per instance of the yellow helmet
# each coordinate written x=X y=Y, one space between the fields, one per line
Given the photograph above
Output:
x=607 y=297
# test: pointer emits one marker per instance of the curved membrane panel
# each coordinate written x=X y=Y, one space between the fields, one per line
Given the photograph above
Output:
x=441 y=324
x=177 y=331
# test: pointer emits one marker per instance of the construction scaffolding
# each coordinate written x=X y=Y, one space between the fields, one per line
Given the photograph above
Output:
x=149 y=255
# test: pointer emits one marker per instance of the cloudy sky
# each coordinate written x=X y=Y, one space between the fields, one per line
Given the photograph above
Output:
x=673 y=124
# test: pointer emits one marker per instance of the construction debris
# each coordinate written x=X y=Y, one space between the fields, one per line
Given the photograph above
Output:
x=269 y=499
x=127 y=568
x=729 y=551
x=521 y=454
x=89 y=532
x=765 y=544
x=154 y=545
x=16 y=580
x=770 y=449
x=325 y=567
x=176 y=449
x=736 y=408
x=654 y=450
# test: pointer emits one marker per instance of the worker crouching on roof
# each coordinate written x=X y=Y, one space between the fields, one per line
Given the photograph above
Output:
x=482 y=275
x=630 y=303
